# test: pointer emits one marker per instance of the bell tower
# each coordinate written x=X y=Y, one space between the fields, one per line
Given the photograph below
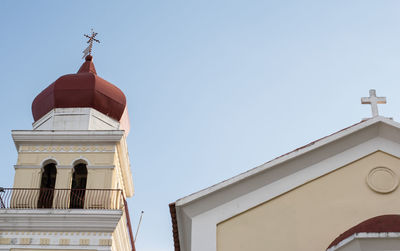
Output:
x=73 y=173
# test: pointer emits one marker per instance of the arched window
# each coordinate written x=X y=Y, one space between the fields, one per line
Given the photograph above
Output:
x=47 y=186
x=78 y=186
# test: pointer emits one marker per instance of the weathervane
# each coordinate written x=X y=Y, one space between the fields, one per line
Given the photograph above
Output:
x=373 y=100
x=88 y=50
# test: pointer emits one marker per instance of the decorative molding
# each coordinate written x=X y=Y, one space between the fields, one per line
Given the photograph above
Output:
x=44 y=241
x=84 y=242
x=25 y=241
x=64 y=242
x=373 y=123
x=21 y=137
x=27 y=166
x=105 y=242
x=39 y=220
x=66 y=149
x=22 y=240
x=199 y=214
x=49 y=160
x=382 y=180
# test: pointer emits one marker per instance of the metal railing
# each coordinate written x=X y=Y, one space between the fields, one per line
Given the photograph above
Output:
x=37 y=198
x=41 y=198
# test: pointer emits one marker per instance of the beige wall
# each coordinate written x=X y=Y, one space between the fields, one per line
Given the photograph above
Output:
x=120 y=237
x=103 y=172
x=97 y=177
x=66 y=159
x=310 y=217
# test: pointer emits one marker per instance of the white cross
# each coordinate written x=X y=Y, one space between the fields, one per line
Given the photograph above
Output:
x=373 y=100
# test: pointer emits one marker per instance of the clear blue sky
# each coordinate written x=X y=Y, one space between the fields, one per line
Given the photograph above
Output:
x=214 y=88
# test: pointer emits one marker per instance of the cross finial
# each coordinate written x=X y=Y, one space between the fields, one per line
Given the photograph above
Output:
x=88 y=50
x=373 y=100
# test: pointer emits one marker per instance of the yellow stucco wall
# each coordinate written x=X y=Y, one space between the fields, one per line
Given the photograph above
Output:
x=311 y=216
x=98 y=178
x=34 y=158
x=120 y=237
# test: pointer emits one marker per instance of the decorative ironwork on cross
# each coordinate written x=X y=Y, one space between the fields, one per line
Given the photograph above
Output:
x=88 y=50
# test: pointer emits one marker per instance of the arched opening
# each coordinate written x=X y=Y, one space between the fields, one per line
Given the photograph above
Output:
x=78 y=186
x=47 y=186
x=377 y=233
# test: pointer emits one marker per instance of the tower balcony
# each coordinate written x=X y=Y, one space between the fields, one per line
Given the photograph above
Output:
x=64 y=210
x=41 y=198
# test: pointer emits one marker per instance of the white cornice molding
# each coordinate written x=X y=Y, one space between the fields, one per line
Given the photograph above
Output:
x=286 y=157
x=86 y=136
x=26 y=166
x=59 y=220
x=199 y=214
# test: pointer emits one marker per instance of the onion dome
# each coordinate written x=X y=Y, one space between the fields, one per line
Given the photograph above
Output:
x=83 y=89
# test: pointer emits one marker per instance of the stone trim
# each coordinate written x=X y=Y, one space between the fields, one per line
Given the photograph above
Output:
x=69 y=220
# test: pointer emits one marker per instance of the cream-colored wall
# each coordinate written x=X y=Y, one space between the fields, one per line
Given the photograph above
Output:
x=27 y=178
x=118 y=181
x=99 y=178
x=310 y=217
x=66 y=159
x=120 y=237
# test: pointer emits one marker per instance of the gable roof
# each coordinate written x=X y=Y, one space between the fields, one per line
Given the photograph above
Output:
x=187 y=208
x=285 y=157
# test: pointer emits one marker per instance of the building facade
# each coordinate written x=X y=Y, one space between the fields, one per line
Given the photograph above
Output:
x=337 y=193
x=73 y=174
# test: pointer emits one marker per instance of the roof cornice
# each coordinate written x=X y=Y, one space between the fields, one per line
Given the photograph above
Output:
x=36 y=136
x=59 y=220
x=286 y=157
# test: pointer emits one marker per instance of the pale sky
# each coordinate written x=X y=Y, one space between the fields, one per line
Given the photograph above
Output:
x=214 y=87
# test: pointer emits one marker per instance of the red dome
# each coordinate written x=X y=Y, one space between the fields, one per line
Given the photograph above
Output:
x=83 y=89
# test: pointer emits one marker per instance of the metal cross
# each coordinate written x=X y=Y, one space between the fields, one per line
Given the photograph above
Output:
x=373 y=100
x=88 y=50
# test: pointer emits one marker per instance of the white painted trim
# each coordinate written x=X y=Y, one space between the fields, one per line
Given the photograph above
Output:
x=49 y=158
x=79 y=161
x=69 y=220
x=364 y=236
x=199 y=214
x=287 y=157
x=43 y=119
x=32 y=136
x=54 y=240
x=85 y=115
x=28 y=166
